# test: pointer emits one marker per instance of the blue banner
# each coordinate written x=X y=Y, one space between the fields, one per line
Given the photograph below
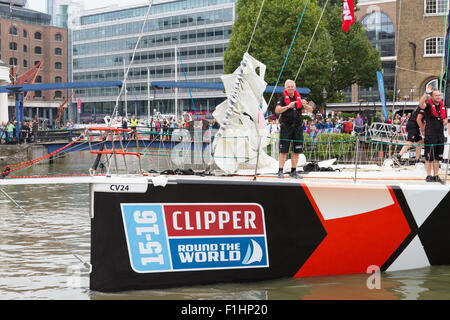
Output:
x=382 y=95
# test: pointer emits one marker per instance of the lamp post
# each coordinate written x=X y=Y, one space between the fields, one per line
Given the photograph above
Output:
x=324 y=95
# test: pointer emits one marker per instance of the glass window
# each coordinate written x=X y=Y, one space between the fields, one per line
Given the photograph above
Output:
x=13 y=46
x=58 y=65
x=37 y=50
x=58 y=79
x=58 y=37
x=380 y=32
x=58 y=51
x=436 y=6
x=13 y=30
x=38 y=35
x=434 y=47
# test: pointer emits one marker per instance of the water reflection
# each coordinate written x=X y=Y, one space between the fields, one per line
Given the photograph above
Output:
x=42 y=251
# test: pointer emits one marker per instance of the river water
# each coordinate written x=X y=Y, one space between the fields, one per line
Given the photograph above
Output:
x=42 y=251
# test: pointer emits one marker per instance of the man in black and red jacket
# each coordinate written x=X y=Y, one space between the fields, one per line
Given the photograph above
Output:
x=290 y=106
x=434 y=114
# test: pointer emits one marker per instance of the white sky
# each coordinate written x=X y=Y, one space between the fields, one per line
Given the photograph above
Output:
x=40 y=5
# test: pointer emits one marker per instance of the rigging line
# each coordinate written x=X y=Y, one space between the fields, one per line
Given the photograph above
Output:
x=443 y=53
x=310 y=42
x=446 y=65
x=116 y=107
x=421 y=72
x=256 y=24
x=289 y=51
x=28 y=163
x=185 y=77
x=397 y=40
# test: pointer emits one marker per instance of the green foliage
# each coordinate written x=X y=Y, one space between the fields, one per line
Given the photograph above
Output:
x=328 y=146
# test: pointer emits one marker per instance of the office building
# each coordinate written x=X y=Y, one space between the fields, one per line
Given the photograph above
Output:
x=26 y=38
x=193 y=33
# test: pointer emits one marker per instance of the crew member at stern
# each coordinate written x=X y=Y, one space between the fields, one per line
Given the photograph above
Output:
x=291 y=106
x=435 y=116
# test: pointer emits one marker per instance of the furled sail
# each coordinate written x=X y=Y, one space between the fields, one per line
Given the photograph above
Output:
x=239 y=144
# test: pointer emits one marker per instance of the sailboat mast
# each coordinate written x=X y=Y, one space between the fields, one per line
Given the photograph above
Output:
x=176 y=79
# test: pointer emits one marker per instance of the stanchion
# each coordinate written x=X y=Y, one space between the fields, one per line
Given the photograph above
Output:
x=257 y=158
x=356 y=157
x=448 y=158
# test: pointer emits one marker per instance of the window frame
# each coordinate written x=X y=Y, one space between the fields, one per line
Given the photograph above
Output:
x=436 y=54
x=436 y=13
x=37 y=50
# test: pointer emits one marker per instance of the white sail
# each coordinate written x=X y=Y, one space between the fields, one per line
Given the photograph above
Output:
x=244 y=133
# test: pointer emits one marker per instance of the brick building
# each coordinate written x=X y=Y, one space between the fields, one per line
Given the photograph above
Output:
x=26 y=38
x=421 y=45
x=409 y=35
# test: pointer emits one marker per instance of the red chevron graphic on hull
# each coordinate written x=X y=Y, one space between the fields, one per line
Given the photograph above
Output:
x=353 y=243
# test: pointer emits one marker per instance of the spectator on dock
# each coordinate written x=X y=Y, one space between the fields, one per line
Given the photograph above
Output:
x=133 y=126
x=34 y=129
x=329 y=126
x=3 y=134
x=69 y=127
x=25 y=133
x=125 y=126
x=359 y=124
x=10 y=131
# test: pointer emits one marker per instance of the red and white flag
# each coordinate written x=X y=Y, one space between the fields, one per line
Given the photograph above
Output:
x=348 y=15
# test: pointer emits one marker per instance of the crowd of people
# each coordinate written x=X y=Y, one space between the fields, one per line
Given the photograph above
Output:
x=8 y=132
x=317 y=126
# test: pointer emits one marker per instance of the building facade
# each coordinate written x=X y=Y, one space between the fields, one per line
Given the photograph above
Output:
x=183 y=40
x=422 y=30
x=409 y=35
x=26 y=38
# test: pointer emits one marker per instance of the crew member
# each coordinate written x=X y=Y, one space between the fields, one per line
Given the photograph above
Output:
x=414 y=136
x=291 y=106
x=434 y=113
x=133 y=126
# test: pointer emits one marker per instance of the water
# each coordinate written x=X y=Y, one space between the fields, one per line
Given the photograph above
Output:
x=42 y=253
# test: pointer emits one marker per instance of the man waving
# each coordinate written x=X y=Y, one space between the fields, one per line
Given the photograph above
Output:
x=434 y=113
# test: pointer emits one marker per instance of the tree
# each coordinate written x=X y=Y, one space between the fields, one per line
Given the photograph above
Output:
x=335 y=61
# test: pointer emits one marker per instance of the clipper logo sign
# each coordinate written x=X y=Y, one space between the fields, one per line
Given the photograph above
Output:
x=181 y=237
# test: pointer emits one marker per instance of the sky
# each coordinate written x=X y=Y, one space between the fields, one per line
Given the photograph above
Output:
x=40 y=5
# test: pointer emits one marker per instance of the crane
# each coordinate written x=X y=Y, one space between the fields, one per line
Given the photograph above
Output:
x=62 y=108
x=28 y=77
